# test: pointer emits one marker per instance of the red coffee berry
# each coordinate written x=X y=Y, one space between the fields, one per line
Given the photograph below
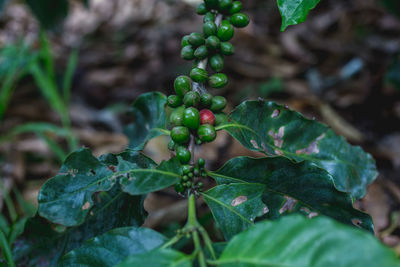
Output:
x=207 y=117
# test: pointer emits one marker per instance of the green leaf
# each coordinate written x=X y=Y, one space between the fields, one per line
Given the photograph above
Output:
x=142 y=179
x=113 y=247
x=275 y=130
x=49 y=12
x=303 y=182
x=158 y=258
x=235 y=206
x=295 y=11
x=2 y=4
x=295 y=241
x=149 y=119
x=43 y=243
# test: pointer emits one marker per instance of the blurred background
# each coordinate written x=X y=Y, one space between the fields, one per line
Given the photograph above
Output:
x=69 y=80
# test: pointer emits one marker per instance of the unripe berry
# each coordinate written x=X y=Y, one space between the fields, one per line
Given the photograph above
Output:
x=183 y=154
x=201 y=52
x=236 y=7
x=199 y=75
x=174 y=101
x=225 y=31
x=213 y=42
x=180 y=134
x=206 y=133
x=191 y=118
x=218 y=103
x=182 y=85
x=191 y=99
x=209 y=28
x=217 y=62
x=206 y=99
x=218 y=80
x=211 y=3
x=187 y=52
x=196 y=39
x=240 y=20
x=227 y=49
x=185 y=41
x=176 y=117
x=207 y=117
x=201 y=9
x=220 y=118
x=224 y=5
x=209 y=17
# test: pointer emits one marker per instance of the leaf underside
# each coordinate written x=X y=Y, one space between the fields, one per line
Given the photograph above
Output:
x=295 y=11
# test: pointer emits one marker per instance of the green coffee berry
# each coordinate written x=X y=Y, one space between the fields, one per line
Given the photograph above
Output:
x=201 y=9
x=218 y=103
x=182 y=85
x=180 y=134
x=171 y=145
x=191 y=118
x=209 y=17
x=174 y=101
x=224 y=5
x=206 y=133
x=196 y=171
x=191 y=99
x=186 y=169
x=198 y=141
x=183 y=154
x=200 y=184
x=199 y=75
x=240 y=20
x=190 y=174
x=209 y=28
x=188 y=184
x=218 y=80
x=227 y=49
x=211 y=3
x=201 y=162
x=205 y=100
x=213 y=42
x=225 y=31
x=187 y=52
x=217 y=62
x=179 y=188
x=185 y=178
x=201 y=52
x=176 y=117
x=185 y=41
x=196 y=39
x=220 y=118
x=236 y=7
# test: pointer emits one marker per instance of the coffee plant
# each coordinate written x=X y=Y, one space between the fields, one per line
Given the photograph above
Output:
x=291 y=207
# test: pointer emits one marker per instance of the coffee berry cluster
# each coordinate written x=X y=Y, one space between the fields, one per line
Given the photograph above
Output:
x=194 y=112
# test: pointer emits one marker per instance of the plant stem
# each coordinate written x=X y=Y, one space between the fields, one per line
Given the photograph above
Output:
x=172 y=241
x=197 y=245
x=192 y=221
x=6 y=250
x=207 y=241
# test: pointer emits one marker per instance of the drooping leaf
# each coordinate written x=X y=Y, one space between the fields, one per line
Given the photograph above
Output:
x=158 y=258
x=141 y=180
x=303 y=182
x=295 y=11
x=113 y=247
x=275 y=130
x=67 y=198
x=43 y=243
x=295 y=241
x=149 y=119
x=235 y=206
x=50 y=13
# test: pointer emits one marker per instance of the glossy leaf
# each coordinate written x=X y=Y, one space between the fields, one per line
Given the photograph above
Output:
x=275 y=130
x=67 y=198
x=295 y=241
x=235 y=206
x=141 y=179
x=158 y=258
x=149 y=119
x=49 y=12
x=113 y=247
x=43 y=243
x=303 y=182
x=295 y=11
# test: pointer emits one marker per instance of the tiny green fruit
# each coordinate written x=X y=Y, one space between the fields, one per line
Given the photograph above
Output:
x=201 y=52
x=220 y=118
x=218 y=80
x=199 y=75
x=201 y=162
x=174 y=101
x=206 y=133
x=213 y=42
x=209 y=28
x=171 y=145
x=211 y=3
x=217 y=62
x=182 y=85
x=185 y=41
x=227 y=49
x=225 y=31
x=179 y=188
x=224 y=5
x=236 y=7
x=180 y=134
x=218 y=103
x=191 y=118
x=196 y=39
x=186 y=169
x=201 y=9
x=183 y=154
x=206 y=99
x=176 y=117
x=191 y=99
x=187 y=52
x=240 y=20
x=209 y=17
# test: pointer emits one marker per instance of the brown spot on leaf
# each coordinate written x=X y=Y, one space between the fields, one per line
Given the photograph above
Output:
x=278 y=137
x=254 y=143
x=356 y=222
x=312 y=148
x=289 y=205
x=86 y=205
x=111 y=168
x=238 y=200
x=275 y=113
